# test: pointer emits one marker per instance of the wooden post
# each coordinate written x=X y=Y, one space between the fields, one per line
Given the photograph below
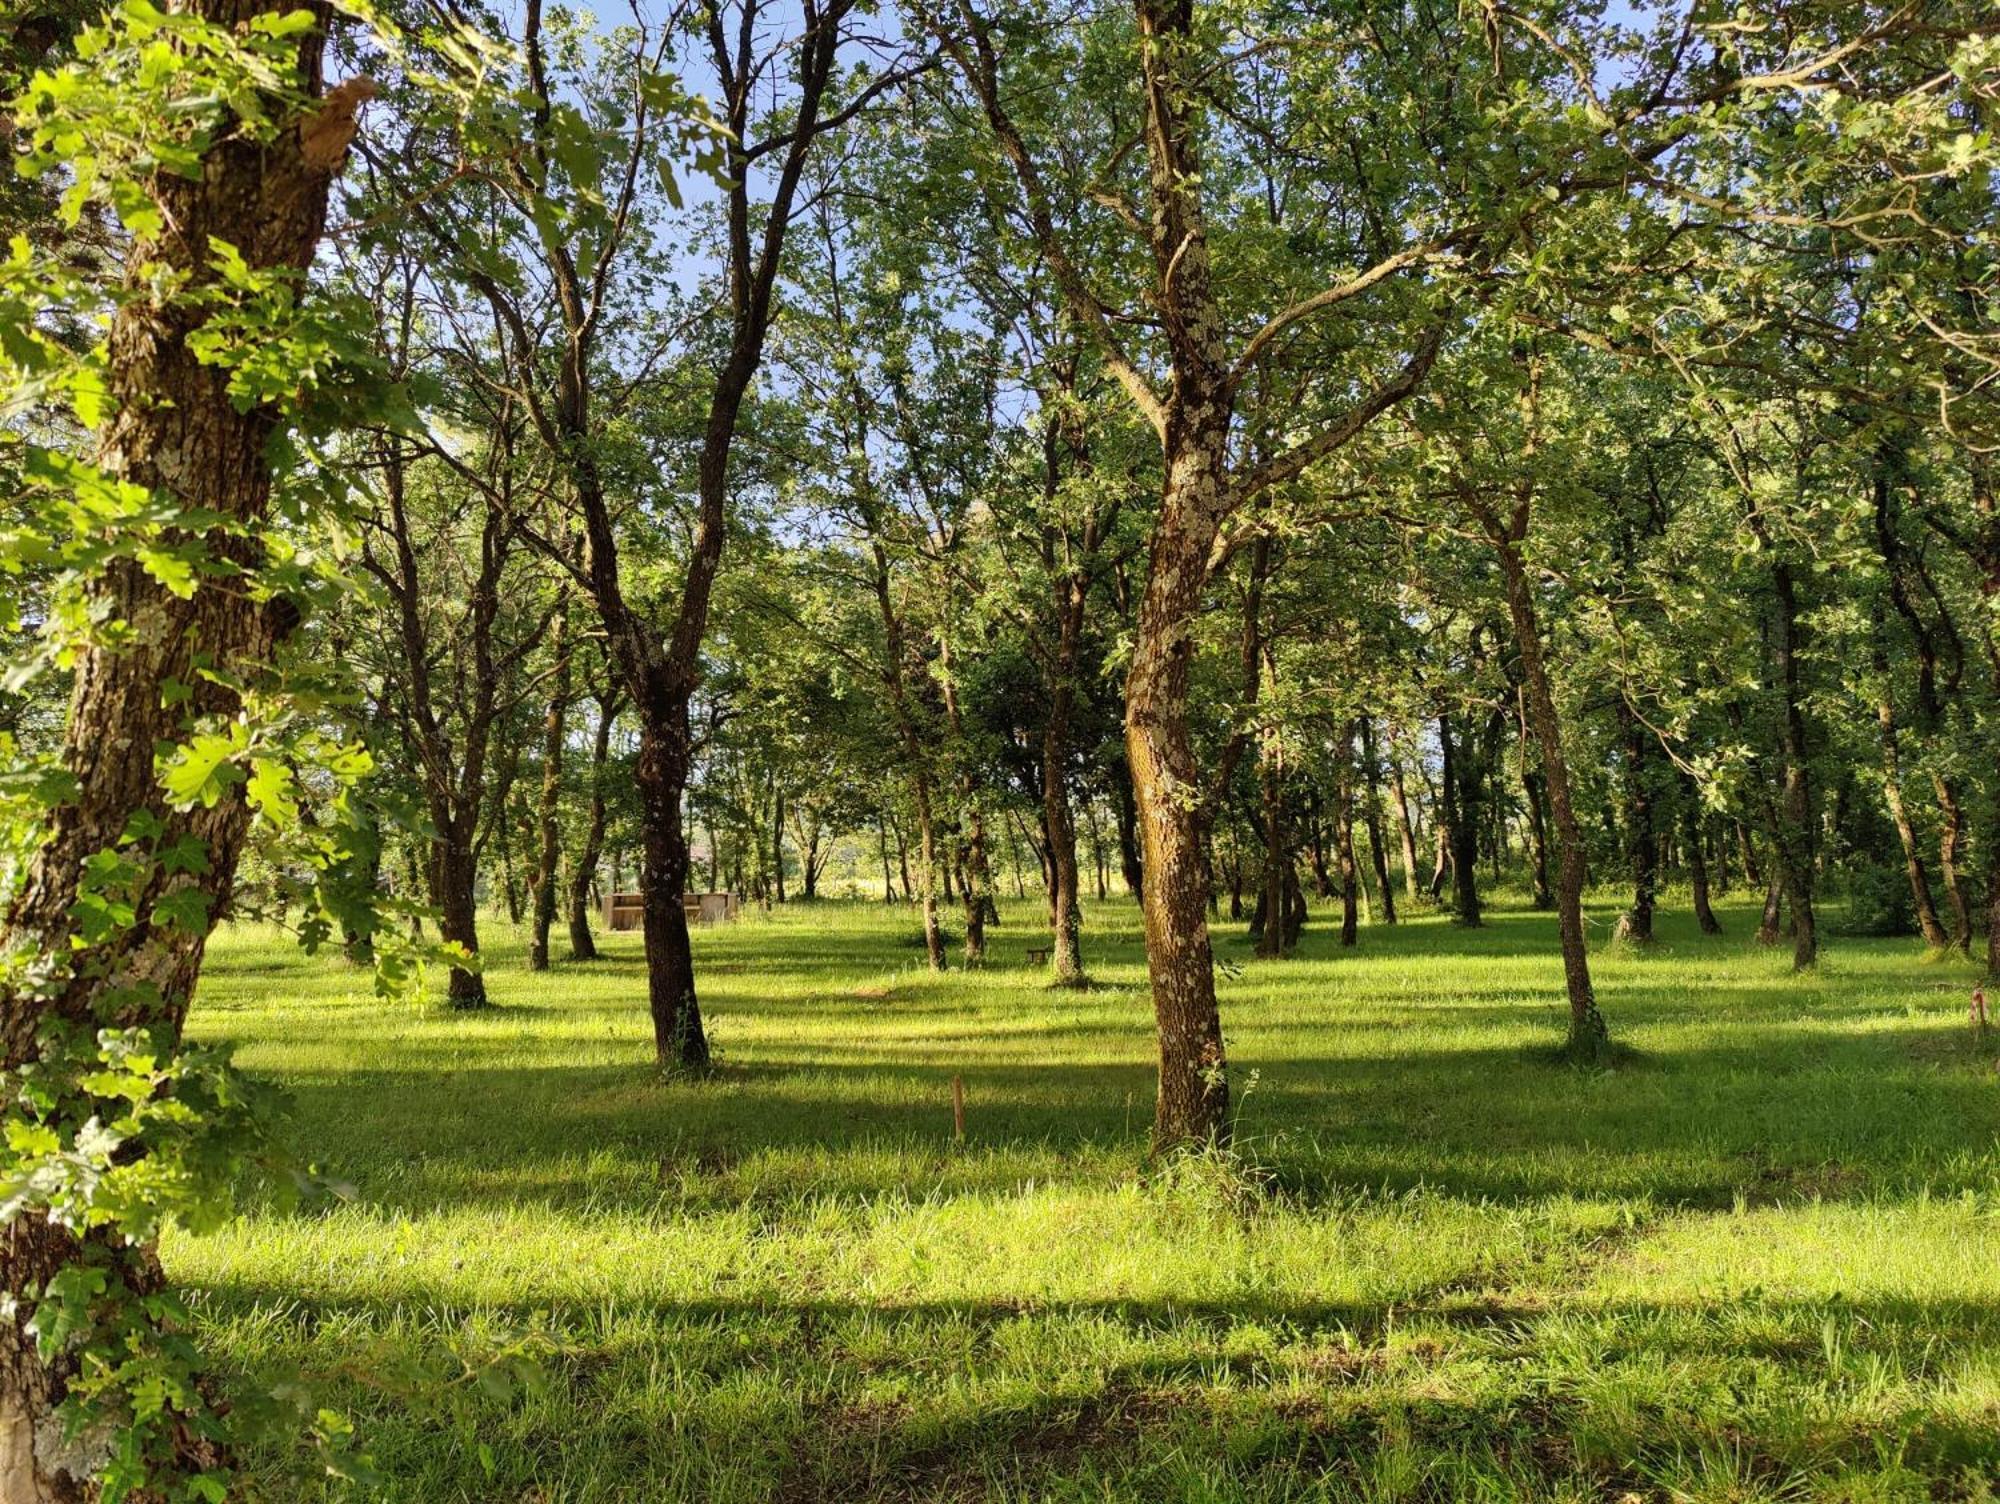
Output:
x=958 y=1108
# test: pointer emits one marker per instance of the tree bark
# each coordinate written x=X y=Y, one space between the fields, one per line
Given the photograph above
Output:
x=174 y=430
x=1642 y=841
x=548 y=832
x=1371 y=769
x=1588 y=1035
x=1405 y=830
x=1459 y=818
x=1928 y=923
x=583 y=871
x=1343 y=833
x=1697 y=859
x=1951 y=863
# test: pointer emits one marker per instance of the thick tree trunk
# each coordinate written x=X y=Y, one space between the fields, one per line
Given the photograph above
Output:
x=1193 y=1101
x=174 y=431
x=548 y=832
x=680 y=1042
x=454 y=884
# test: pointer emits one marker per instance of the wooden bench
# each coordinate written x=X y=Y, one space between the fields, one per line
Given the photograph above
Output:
x=1038 y=955
x=627 y=911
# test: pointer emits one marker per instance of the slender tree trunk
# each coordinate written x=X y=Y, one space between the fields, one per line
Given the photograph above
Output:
x=1892 y=795
x=583 y=871
x=1697 y=859
x=1277 y=859
x=1343 y=834
x=1404 y=828
x=1459 y=816
x=1642 y=842
x=778 y=840
x=1753 y=876
x=1794 y=826
x=1371 y=769
x=1951 y=863
x=903 y=861
x=1065 y=950
x=549 y=831
x=1770 y=925
x=1587 y=1032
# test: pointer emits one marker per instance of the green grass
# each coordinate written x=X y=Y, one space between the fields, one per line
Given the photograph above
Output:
x=1760 y=1260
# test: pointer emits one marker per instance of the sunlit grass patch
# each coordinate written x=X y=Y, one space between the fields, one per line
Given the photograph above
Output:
x=1757 y=1260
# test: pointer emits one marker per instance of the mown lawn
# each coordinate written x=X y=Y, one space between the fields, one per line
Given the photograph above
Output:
x=1760 y=1260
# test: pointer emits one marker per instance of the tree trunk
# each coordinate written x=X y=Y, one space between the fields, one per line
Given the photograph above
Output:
x=1065 y=948
x=1343 y=834
x=1794 y=830
x=1770 y=925
x=1588 y=1035
x=1371 y=770
x=680 y=1042
x=1459 y=817
x=778 y=839
x=176 y=432
x=1193 y=1101
x=1892 y=795
x=1697 y=859
x=1642 y=842
x=549 y=832
x=1405 y=830
x=1277 y=859
x=583 y=871
x=1951 y=863
x=454 y=880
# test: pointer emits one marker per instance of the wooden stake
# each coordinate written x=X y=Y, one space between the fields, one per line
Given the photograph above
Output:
x=958 y=1108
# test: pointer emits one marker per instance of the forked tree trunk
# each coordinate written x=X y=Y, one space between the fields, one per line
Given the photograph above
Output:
x=174 y=430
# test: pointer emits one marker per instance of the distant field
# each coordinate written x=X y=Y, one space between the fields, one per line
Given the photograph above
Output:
x=1761 y=1260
